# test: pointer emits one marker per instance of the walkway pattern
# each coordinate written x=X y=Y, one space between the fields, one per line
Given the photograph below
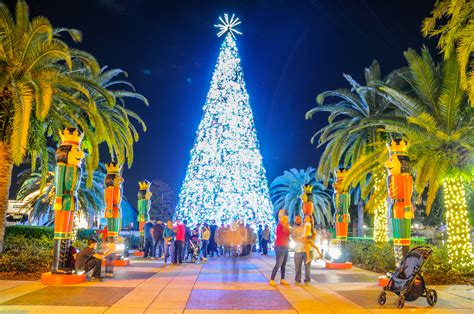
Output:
x=221 y=285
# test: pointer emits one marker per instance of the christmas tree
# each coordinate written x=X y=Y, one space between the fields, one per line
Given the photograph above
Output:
x=225 y=179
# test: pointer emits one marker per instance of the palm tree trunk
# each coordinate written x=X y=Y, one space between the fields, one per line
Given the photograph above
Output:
x=458 y=226
x=360 y=218
x=6 y=166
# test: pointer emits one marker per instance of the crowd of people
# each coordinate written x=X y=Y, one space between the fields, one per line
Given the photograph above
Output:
x=175 y=242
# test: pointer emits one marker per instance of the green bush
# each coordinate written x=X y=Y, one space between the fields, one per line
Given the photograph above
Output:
x=85 y=234
x=23 y=254
x=30 y=232
x=437 y=270
x=368 y=255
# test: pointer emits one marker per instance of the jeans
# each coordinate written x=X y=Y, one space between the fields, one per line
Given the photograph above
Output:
x=169 y=251
x=160 y=244
x=178 y=251
x=300 y=258
x=95 y=264
x=147 y=251
x=204 y=247
x=265 y=246
x=281 y=259
x=109 y=263
x=212 y=247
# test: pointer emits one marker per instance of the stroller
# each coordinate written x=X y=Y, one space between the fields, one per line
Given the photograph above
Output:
x=193 y=250
x=408 y=282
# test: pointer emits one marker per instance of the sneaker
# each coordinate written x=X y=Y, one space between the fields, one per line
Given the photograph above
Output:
x=96 y=279
x=109 y=275
x=298 y=283
x=284 y=282
x=307 y=284
x=204 y=259
x=272 y=283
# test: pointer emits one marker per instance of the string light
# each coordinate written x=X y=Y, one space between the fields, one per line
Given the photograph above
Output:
x=458 y=228
x=225 y=180
x=380 y=217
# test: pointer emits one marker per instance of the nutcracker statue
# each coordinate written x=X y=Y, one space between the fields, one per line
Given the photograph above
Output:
x=400 y=190
x=143 y=206
x=113 y=199
x=67 y=179
x=307 y=198
x=342 y=201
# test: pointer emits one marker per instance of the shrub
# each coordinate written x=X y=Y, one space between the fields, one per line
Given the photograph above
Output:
x=23 y=254
x=85 y=234
x=30 y=232
x=437 y=270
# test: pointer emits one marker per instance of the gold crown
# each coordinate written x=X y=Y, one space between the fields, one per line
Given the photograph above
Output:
x=399 y=146
x=144 y=185
x=113 y=167
x=71 y=136
x=308 y=188
x=340 y=172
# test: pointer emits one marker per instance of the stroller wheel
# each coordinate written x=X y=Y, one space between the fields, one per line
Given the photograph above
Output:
x=401 y=302
x=382 y=298
x=431 y=297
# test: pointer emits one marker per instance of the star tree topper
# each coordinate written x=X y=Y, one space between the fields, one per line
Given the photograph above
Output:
x=227 y=25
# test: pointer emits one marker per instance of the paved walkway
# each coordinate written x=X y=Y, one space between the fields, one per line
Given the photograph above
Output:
x=221 y=285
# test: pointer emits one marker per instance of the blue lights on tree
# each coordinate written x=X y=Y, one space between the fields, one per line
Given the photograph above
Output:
x=225 y=179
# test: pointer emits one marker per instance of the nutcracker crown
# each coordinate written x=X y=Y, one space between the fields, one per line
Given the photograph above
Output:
x=71 y=136
x=144 y=185
x=399 y=146
x=340 y=173
x=308 y=188
x=113 y=167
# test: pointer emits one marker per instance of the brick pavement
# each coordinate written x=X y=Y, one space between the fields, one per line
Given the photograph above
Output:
x=221 y=285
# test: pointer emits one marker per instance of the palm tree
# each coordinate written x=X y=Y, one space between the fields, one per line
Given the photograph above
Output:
x=39 y=195
x=44 y=86
x=286 y=193
x=439 y=124
x=456 y=36
x=349 y=145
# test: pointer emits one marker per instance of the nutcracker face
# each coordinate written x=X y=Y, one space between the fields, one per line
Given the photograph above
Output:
x=118 y=180
x=75 y=156
x=340 y=176
x=393 y=165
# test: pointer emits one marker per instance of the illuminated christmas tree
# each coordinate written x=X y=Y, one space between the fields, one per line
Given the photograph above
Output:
x=225 y=179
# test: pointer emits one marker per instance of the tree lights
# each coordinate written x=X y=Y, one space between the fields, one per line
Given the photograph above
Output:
x=225 y=179
x=380 y=218
x=458 y=227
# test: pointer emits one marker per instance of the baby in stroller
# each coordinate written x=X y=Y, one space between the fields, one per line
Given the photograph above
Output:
x=194 y=246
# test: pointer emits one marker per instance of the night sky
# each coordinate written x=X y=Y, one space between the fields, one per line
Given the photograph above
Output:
x=290 y=52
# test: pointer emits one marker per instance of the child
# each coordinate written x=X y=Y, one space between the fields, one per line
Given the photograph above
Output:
x=309 y=233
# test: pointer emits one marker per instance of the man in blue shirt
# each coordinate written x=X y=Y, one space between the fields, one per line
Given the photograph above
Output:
x=148 y=235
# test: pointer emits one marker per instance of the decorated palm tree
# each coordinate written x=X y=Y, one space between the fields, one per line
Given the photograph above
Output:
x=286 y=191
x=38 y=193
x=44 y=86
x=453 y=22
x=360 y=149
x=439 y=125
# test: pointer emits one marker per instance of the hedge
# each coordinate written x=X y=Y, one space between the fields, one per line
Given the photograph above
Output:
x=29 y=232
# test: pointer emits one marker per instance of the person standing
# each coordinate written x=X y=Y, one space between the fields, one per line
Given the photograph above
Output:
x=110 y=257
x=212 y=240
x=265 y=240
x=148 y=236
x=179 y=242
x=169 y=238
x=281 y=250
x=298 y=235
x=187 y=237
x=157 y=232
x=205 y=236
x=259 y=237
